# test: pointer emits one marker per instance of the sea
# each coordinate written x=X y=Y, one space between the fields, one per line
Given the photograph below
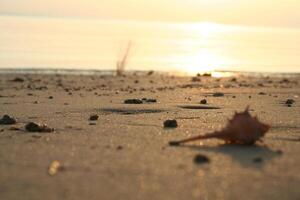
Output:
x=93 y=44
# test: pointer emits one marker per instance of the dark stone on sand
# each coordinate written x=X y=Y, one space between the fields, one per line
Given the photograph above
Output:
x=94 y=117
x=119 y=147
x=290 y=101
x=170 y=123
x=203 y=101
x=218 y=94
x=206 y=74
x=201 y=159
x=133 y=101
x=262 y=93
x=35 y=127
x=149 y=100
x=150 y=73
x=18 y=79
x=233 y=80
x=258 y=160
x=7 y=120
x=50 y=97
x=196 y=79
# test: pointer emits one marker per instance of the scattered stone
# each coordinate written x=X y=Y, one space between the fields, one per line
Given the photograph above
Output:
x=249 y=96
x=170 y=123
x=35 y=127
x=218 y=94
x=233 y=96
x=150 y=73
x=92 y=123
x=290 y=101
x=150 y=100
x=201 y=159
x=119 y=147
x=29 y=94
x=50 y=97
x=262 y=93
x=94 y=117
x=7 y=120
x=54 y=167
x=133 y=101
x=206 y=74
x=196 y=79
x=203 y=101
x=18 y=79
x=233 y=80
x=36 y=102
x=258 y=160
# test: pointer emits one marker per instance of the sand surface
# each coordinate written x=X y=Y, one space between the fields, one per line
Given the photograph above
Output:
x=125 y=153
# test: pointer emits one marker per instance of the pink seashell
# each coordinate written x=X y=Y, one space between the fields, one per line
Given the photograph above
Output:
x=241 y=129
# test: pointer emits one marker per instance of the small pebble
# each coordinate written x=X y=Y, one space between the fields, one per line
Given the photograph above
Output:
x=201 y=159
x=196 y=79
x=35 y=127
x=94 y=117
x=170 y=123
x=203 y=101
x=133 y=101
x=50 y=97
x=119 y=147
x=290 y=101
x=54 y=167
x=218 y=94
x=151 y=100
x=7 y=120
x=18 y=79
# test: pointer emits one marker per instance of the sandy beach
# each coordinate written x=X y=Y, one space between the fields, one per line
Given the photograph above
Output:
x=125 y=154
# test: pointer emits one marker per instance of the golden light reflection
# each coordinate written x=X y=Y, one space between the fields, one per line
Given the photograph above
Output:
x=204 y=61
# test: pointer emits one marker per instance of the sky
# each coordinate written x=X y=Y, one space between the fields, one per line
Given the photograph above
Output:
x=277 y=13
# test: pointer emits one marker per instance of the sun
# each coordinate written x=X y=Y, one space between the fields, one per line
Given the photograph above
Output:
x=204 y=61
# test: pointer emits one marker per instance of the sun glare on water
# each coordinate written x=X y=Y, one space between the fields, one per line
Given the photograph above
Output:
x=205 y=57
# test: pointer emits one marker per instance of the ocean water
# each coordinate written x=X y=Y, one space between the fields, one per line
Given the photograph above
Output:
x=65 y=43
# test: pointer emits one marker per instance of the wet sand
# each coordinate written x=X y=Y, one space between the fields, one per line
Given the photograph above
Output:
x=124 y=154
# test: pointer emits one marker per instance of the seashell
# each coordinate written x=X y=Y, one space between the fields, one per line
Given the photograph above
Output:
x=241 y=129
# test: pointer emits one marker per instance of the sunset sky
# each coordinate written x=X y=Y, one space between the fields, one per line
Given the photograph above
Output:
x=279 y=13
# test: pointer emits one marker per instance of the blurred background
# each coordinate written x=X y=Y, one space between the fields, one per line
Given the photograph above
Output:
x=168 y=35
